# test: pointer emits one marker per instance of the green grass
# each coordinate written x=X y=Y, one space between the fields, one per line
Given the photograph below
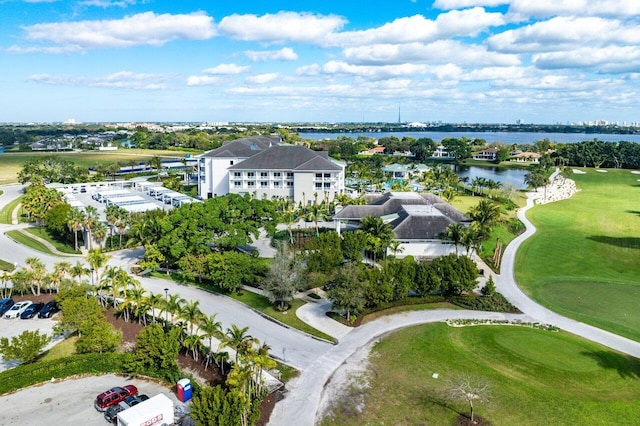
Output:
x=11 y=163
x=6 y=266
x=60 y=350
x=6 y=212
x=30 y=242
x=536 y=377
x=583 y=261
x=46 y=235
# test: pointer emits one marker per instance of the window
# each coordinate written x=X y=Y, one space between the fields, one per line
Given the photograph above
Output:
x=264 y=184
x=318 y=185
x=264 y=175
x=289 y=175
x=231 y=163
x=327 y=185
x=277 y=185
x=327 y=175
x=251 y=184
x=251 y=174
x=289 y=184
x=237 y=184
x=237 y=174
x=318 y=175
x=277 y=175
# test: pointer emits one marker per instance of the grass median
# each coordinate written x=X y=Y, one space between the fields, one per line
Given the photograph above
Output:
x=46 y=235
x=535 y=377
x=26 y=240
x=7 y=211
x=583 y=260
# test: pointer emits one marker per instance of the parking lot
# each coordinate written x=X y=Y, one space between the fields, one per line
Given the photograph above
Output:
x=14 y=327
x=69 y=402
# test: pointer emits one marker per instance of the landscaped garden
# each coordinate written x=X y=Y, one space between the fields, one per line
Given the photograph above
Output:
x=583 y=260
x=533 y=377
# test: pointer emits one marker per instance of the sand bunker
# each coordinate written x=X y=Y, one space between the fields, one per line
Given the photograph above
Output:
x=579 y=172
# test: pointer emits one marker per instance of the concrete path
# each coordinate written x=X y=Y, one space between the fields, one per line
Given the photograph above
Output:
x=315 y=314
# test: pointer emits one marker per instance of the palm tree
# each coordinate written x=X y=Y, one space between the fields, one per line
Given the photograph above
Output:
x=193 y=343
x=36 y=274
x=96 y=260
x=211 y=328
x=395 y=247
x=380 y=234
x=486 y=213
x=238 y=339
x=191 y=313
x=100 y=233
x=91 y=219
x=173 y=305
x=78 y=270
x=75 y=221
x=455 y=233
x=5 y=277
x=112 y=212
x=156 y=303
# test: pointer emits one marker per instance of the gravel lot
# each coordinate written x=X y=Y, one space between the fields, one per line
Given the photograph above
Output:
x=69 y=402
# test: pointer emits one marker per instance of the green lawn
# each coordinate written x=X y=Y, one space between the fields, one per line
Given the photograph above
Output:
x=11 y=163
x=46 y=235
x=6 y=266
x=30 y=242
x=535 y=377
x=583 y=261
x=6 y=212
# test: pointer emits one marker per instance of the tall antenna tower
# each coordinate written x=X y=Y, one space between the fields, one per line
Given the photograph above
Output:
x=399 y=120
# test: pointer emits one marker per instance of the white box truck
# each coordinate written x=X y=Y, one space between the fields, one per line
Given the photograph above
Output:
x=152 y=412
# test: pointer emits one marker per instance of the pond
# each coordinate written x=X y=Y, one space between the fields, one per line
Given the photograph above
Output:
x=506 y=176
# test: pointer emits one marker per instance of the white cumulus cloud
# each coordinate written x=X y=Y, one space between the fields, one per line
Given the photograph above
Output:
x=121 y=80
x=262 y=78
x=142 y=29
x=280 y=27
x=284 y=54
x=226 y=69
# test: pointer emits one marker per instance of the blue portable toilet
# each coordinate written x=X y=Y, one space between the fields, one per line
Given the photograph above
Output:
x=184 y=390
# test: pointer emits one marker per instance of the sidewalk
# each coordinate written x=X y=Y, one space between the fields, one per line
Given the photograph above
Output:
x=315 y=314
x=46 y=243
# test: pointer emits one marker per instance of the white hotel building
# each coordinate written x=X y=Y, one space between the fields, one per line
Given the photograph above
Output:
x=269 y=168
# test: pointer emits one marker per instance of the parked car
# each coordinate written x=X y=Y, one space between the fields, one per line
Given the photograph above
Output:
x=49 y=310
x=31 y=310
x=6 y=304
x=17 y=309
x=111 y=413
x=114 y=396
x=135 y=400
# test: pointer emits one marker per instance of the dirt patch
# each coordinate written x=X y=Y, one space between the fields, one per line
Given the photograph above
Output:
x=464 y=420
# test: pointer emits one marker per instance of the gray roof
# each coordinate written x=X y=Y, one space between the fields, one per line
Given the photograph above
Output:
x=413 y=216
x=288 y=157
x=243 y=148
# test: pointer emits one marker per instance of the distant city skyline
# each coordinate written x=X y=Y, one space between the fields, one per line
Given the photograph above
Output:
x=454 y=61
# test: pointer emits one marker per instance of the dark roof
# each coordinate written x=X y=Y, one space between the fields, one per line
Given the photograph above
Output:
x=288 y=157
x=413 y=216
x=243 y=148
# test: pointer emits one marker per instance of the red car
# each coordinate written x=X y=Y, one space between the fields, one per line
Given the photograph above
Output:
x=113 y=396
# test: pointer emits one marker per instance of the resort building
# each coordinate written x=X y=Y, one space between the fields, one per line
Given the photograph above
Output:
x=441 y=152
x=418 y=221
x=525 y=157
x=269 y=168
x=404 y=171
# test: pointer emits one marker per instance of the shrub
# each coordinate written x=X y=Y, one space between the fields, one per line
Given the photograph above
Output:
x=494 y=303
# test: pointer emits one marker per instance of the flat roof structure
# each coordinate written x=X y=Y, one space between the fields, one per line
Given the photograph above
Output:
x=124 y=201
x=141 y=207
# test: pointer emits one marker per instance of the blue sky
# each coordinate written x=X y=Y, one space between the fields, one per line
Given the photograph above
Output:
x=488 y=61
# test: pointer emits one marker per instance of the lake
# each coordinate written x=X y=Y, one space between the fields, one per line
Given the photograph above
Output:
x=506 y=137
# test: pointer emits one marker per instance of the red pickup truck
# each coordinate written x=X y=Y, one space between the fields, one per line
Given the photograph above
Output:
x=113 y=396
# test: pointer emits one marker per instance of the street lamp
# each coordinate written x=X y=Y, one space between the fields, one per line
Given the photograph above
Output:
x=166 y=307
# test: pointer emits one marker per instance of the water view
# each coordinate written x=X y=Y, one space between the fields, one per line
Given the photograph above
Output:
x=506 y=137
x=505 y=176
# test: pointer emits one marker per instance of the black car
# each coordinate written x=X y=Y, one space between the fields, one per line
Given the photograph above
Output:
x=32 y=310
x=111 y=413
x=5 y=305
x=50 y=309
